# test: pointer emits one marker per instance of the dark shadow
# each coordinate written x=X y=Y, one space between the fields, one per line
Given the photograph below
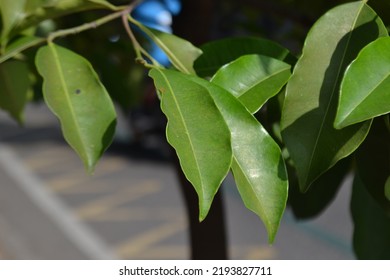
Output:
x=321 y=193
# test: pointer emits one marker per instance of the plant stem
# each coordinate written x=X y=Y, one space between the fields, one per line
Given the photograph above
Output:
x=89 y=25
x=139 y=50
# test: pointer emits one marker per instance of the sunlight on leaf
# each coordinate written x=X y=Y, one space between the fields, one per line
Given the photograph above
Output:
x=197 y=131
x=253 y=79
x=73 y=92
x=365 y=90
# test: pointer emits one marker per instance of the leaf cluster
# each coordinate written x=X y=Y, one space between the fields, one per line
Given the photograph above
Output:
x=282 y=125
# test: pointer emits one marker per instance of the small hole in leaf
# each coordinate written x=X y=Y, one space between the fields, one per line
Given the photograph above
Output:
x=78 y=91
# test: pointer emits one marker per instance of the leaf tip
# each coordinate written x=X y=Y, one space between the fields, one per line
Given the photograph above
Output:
x=203 y=211
x=271 y=239
x=339 y=123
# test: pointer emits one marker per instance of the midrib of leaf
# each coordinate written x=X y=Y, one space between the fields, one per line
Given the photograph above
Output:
x=63 y=85
x=246 y=177
x=333 y=90
x=262 y=80
x=186 y=129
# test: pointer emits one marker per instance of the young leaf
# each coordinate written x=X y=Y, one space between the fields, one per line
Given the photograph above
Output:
x=218 y=53
x=311 y=95
x=180 y=52
x=253 y=79
x=365 y=90
x=197 y=131
x=73 y=92
x=258 y=165
x=14 y=87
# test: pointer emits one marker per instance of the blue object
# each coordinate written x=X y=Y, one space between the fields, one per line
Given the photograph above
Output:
x=157 y=14
x=174 y=6
x=158 y=54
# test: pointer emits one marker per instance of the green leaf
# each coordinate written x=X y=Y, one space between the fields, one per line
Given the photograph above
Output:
x=253 y=79
x=180 y=52
x=14 y=88
x=18 y=15
x=197 y=131
x=218 y=53
x=19 y=46
x=371 y=225
x=73 y=92
x=312 y=91
x=365 y=90
x=258 y=165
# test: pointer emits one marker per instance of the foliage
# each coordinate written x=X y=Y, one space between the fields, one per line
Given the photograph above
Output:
x=280 y=124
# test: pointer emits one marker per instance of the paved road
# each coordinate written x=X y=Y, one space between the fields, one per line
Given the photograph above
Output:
x=130 y=208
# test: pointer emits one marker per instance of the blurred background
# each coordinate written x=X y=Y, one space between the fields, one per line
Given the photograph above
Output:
x=131 y=208
x=135 y=204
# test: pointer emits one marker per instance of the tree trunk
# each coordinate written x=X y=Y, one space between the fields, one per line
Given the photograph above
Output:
x=208 y=238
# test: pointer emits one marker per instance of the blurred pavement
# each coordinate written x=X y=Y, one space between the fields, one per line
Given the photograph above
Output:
x=131 y=208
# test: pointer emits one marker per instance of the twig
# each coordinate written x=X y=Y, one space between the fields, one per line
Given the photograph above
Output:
x=89 y=25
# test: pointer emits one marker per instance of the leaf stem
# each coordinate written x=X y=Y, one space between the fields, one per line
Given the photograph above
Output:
x=139 y=50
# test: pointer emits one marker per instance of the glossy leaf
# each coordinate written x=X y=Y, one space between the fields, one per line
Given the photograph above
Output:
x=365 y=90
x=220 y=52
x=258 y=166
x=180 y=52
x=19 y=46
x=253 y=79
x=312 y=91
x=14 y=88
x=371 y=225
x=73 y=92
x=197 y=131
x=18 y=15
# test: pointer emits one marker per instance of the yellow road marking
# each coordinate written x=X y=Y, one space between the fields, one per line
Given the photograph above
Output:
x=261 y=253
x=59 y=184
x=45 y=158
x=86 y=187
x=130 y=193
x=134 y=246
x=74 y=178
x=109 y=164
x=139 y=214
